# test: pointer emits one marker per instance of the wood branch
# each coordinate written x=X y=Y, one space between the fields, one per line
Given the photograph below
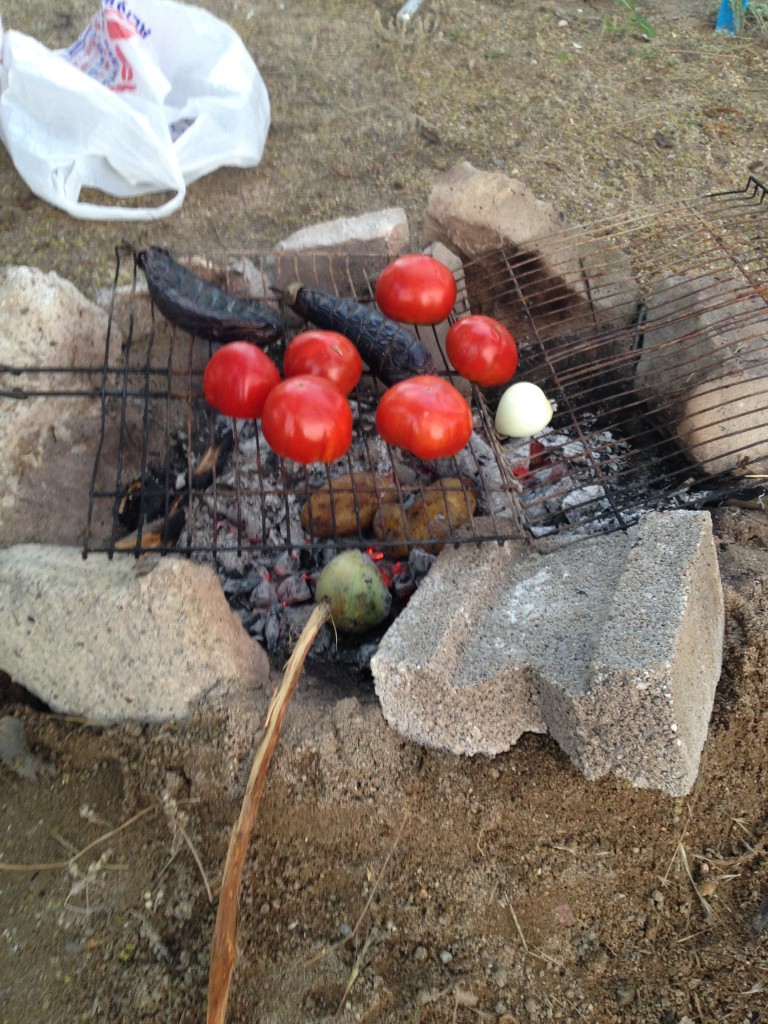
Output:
x=224 y=944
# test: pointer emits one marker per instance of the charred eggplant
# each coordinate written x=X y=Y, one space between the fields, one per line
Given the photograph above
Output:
x=199 y=307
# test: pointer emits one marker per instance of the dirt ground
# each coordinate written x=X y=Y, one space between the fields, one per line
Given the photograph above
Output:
x=388 y=883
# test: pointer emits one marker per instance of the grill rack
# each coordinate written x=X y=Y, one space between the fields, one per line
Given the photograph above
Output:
x=582 y=305
x=582 y=347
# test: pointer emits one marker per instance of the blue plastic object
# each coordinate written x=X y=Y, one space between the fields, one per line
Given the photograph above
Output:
x=726 y=22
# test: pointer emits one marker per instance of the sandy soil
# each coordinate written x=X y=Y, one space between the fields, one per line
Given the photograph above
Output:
x=386 y=883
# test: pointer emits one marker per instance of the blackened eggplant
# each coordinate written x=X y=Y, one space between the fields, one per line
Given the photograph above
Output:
x=391 y=351
x=199 y=307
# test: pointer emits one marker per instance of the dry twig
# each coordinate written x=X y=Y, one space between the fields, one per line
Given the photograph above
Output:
x=56 y=864
x=223 y=946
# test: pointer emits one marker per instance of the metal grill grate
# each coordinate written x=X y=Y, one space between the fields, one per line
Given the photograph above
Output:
x=618 y=322
x=649 y=333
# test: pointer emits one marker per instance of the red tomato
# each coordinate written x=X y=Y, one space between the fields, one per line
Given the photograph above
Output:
x=416 y=289
x=425 y=415
x=324 y=354
x=482 y=350
x=307 y=419
x=238 y=378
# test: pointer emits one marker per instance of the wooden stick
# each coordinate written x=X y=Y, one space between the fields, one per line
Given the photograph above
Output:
x=224 y=943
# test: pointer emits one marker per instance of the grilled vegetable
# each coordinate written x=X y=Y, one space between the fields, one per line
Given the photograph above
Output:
x=347 y=505
x=146 y=503
x=523 y=410
x=391 y=351
x=431 y=520
x=359 y=599
x=194 y=304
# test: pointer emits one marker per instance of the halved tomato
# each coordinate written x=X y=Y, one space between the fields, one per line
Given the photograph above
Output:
x=426 y=415
x=307 y=419
x=324 y=354
x=416 y=289
x=238 y=378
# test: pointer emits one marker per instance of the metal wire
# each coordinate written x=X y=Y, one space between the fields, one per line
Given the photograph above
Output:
x=591 y=308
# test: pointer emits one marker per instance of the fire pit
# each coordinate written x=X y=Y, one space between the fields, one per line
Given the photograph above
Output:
x=647 y=334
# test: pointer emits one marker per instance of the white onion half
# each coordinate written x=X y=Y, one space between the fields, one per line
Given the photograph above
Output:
x=524 y=410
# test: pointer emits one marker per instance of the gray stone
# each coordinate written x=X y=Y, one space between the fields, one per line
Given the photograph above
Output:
x=475 y=212
x=328 y=255
x=381 y=231
x=520 y=249
x=723 y=425
x=120 y=639
x=702 y=370
x=613 y=645
x=49 y=430
x=15 y=753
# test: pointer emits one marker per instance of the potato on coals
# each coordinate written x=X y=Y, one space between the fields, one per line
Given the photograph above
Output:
x=347 y=505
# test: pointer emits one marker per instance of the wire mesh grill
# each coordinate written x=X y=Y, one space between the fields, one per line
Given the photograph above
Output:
x=648 y=333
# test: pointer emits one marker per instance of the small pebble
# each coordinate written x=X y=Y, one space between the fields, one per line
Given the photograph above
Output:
x=760 y=920
x=625 y=994
x=14 y=752
x=446 y=956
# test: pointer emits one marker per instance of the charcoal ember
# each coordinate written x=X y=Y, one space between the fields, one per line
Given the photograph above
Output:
x=295 y=618
x=307 y=560
x=357 y=657
x=403 y=584
x=584 y=502
x=284 y=520
x=274 y=627
x=294 y=590
x=419 y=563
x=326 y=555
x=546 y=476
x=324 y=642
x=477 y=460
x=286 y=563
x=543 y=500
x=264 y=594
x=257 y=625
x=225 y=511
x=229 y=561
x=248 y=619
x=237 y=587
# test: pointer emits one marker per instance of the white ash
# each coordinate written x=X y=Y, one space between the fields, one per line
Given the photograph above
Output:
x=592 y=496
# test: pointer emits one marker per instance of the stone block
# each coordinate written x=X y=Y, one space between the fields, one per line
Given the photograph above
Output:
x=702 y=371
x=329 y=255
x=527 y=267
x=613 y=645
x=122 y=639
x=50 y=425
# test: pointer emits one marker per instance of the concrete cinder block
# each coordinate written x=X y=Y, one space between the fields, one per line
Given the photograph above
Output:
x=613 y=645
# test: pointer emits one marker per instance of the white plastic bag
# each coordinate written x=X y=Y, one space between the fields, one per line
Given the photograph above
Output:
x=152 y=96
